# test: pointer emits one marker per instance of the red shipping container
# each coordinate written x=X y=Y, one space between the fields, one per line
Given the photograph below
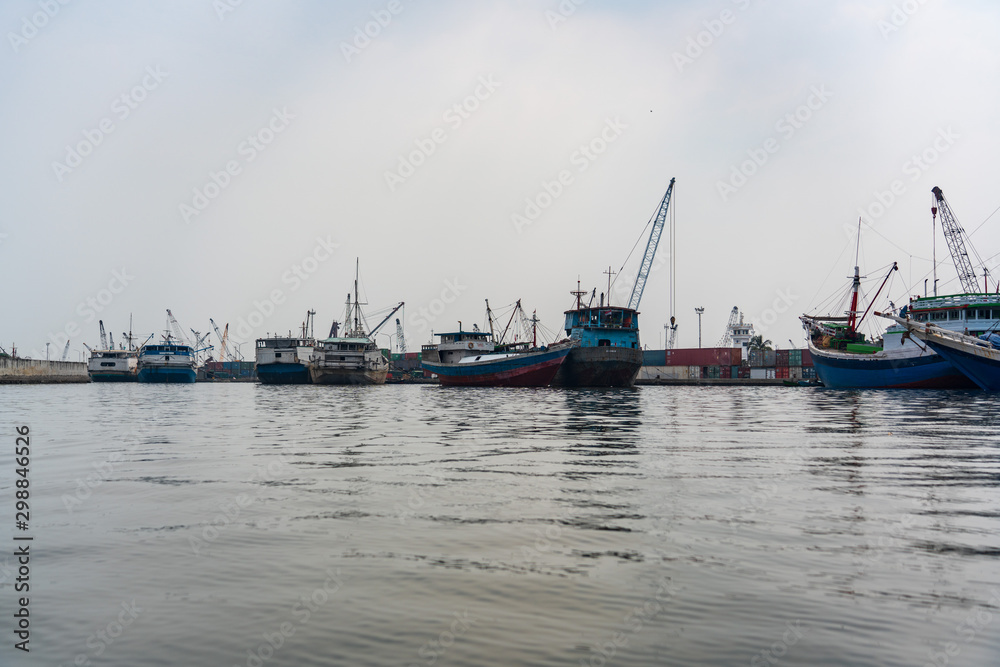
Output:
x=781 y=358
x=725 y=372
x=807 y=359
x=781 y=372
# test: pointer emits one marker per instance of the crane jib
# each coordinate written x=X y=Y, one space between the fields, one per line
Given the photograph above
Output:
x=651 y=244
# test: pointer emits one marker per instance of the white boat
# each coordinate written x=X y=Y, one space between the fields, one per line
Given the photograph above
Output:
x=113 y=365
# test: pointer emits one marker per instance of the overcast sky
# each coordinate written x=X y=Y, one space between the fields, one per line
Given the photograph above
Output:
x=232 y=159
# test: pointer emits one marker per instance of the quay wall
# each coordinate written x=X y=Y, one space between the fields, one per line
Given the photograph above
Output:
x=38 y=371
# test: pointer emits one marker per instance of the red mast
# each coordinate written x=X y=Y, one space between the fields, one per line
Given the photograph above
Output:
x=852 y=315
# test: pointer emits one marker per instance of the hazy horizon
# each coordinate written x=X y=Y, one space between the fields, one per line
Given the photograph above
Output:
x=234 y=160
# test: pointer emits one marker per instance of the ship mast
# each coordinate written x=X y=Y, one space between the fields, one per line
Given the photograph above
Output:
x=852 y=315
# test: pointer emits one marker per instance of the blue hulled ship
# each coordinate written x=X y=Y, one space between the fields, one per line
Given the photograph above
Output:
x=166 y=362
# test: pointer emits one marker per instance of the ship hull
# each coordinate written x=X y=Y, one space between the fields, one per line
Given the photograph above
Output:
x=856 y=371
x=283 y=374
x=599 y=367
x=347 y=376
x=529 y=369
x=154 y=375
x=980 y=364
x=120 y=376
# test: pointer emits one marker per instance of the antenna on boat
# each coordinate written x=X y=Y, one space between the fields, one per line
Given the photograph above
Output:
x=609 y=273
x=577 y=293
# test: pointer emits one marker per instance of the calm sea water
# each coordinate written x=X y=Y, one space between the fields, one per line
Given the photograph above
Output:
x=418 y=525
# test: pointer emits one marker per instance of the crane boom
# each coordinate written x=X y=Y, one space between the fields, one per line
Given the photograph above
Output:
x=651 y=244
x=65 y=351
x=104 y=336
x=400 y=340
x=223 y=352
x=379 y=325
x=953 y=233
x=178 y=331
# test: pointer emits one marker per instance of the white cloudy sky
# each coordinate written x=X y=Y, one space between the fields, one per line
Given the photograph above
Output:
x=892 y=85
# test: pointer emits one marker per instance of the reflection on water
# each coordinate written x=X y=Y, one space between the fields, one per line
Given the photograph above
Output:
x=419 y=525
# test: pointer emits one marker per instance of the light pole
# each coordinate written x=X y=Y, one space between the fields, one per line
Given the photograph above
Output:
x=699 y=310
x=390 y=339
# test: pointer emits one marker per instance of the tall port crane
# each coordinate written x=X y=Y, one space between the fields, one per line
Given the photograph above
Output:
x=104 y=336
x=111 y=340
x=727 y=337
x=953 y=234
x=651 y=244
x=223 y=352
x=400 y=340
x=65 y=351
x=178 y=331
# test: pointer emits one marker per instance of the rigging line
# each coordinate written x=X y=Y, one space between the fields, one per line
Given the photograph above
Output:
x=832 y=269
x=641 y=235
x=984 y=221
x=869 y=226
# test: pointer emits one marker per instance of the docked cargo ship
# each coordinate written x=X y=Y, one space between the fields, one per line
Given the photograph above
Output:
x=113 y=366
x=285 y=359
x=166 y=362
x=469 y=358
x=606 y=350
x=845 y=359
x=352 y=359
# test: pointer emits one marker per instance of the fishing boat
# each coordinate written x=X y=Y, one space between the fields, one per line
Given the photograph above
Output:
x=167 y=361
x=976 y=356
x=285 y=359
x=845 y=359
x=352 y=359
x=113 y=365
x=472 y=359
x=606 y=349
x=108 y=364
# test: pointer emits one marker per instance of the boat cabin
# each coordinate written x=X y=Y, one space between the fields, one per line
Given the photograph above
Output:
x=604 y=326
